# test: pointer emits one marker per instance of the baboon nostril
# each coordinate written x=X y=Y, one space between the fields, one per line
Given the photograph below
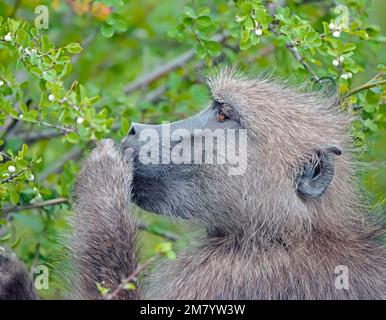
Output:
x=132 y=130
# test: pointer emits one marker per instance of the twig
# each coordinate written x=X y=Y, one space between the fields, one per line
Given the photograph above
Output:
x=13 y=176
x=37 y=136
x=56 y=126
x=165 y=234
x=365 y=86
x=131 y=277
x=180 y=61
x=41 y=204
x=291 y=47
x=5 y=155
x=159 y=72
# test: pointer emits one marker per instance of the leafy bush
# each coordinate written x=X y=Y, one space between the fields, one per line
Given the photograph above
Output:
x=102 y=64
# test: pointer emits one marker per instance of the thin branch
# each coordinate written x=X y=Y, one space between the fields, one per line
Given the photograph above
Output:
x=291 y=47
x=147 y=78
x=165 y=234
x=159 y=72
x=13 y=176
x=5 y=155
x=51 y=202
x=132 y=277
x=31 y=137
x=365 y=86
x=56 y=126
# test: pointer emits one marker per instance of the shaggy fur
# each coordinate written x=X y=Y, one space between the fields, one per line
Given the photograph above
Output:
x=14 y=280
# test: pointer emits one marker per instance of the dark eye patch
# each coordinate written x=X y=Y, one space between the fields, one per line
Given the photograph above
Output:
x=223 y=107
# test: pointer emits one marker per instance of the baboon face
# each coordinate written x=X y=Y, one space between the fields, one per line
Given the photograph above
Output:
x=179 y=165
x=283 y=142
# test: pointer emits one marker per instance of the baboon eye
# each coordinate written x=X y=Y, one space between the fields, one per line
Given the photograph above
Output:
x=222 y=116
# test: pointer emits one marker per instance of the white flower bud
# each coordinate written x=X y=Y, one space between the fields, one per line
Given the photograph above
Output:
x=1 y=83
x=332 y=26
x=336 y=34
x=341 y=58
x=21 y=116
x=11 y=169
x=51 y=97
x=335 y=62
x=31 y=177
x=346 y=75
x=79 y=120
x=8 y=37
x=258 y=32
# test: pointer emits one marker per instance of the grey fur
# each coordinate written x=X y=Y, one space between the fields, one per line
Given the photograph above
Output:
x=15 y=283
x=103 y=242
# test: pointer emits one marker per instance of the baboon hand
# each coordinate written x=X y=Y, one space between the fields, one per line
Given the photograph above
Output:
x=106 y=171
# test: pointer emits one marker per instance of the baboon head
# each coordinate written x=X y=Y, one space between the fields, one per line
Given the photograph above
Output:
x=280 y=168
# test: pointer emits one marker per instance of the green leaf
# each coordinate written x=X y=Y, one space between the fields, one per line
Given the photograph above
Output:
x=14 y=195
x=73 y=47
x=348 y=47
x=204 y=20
x=107 y=31
x=369 y=108
x=187 y=21
x=102 y=290
x=214 y=48
x=189 y=12
x=129 y=286
x=72 y=137
x=6 y=237
x=45 y=42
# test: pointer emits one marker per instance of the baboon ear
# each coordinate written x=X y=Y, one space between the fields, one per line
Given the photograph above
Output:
x=317 y=174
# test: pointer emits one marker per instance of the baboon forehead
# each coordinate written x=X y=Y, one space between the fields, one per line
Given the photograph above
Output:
x=264 y=98
x=253 y=94
x=228 y=85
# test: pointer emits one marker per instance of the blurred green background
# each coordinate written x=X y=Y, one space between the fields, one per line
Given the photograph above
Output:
x=126 y=41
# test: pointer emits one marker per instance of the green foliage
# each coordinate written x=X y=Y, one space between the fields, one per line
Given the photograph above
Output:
x=65 y=87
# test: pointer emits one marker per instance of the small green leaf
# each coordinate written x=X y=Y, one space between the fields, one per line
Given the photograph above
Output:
x=72 y=137
x=214 y=48
x=73 y=47
x=204 y=20
x=107 y=31
x=129 y=286
x=102 y=290
x=189 y=12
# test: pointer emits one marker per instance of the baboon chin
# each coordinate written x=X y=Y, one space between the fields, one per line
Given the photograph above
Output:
x=277 y=196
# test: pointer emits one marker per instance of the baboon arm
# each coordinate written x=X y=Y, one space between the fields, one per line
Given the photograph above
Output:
x=103 y=241
x=15 y=283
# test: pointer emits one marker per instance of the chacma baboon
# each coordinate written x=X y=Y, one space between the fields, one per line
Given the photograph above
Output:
x=291 y=227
